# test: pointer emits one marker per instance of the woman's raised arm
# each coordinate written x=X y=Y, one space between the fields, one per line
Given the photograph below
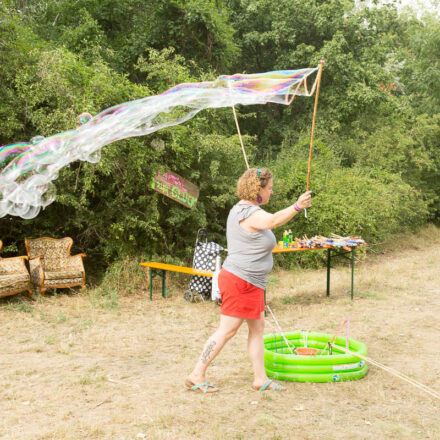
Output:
x=263 y=220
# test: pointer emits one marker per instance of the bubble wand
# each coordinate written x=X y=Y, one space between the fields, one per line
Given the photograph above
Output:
x=318 y=83
x=27 y=170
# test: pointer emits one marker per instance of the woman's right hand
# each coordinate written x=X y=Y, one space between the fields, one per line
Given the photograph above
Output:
x=305 y=200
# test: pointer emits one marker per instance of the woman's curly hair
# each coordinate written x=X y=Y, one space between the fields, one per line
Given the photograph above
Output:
x=249 y=183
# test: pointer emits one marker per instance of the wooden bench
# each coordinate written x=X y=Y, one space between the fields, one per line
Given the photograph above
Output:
x=162 y=268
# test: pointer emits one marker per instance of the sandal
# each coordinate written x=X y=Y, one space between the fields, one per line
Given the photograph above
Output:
x=202 y=386
x=267 y=386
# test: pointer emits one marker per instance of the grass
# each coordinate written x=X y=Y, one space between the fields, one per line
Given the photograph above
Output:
x=105 y=365
x=18 y=305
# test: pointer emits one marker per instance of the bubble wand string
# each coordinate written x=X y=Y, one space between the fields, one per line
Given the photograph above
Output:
x=281 y=332
x=239 y=136
x=392 y=371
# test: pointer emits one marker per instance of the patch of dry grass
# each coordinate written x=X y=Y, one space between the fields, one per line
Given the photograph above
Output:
x=75 y=367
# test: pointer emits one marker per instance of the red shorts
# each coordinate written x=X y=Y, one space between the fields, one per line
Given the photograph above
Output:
x=240 y=298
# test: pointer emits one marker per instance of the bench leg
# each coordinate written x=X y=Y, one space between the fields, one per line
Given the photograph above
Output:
x=352 y=272
x=152 y=275
x=328 y=271
x=163 y=283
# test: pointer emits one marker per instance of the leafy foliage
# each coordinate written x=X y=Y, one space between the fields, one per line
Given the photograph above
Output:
x=376 y=161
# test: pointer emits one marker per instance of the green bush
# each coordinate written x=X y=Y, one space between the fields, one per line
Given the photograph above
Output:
x=376 y=161
x=358 y=201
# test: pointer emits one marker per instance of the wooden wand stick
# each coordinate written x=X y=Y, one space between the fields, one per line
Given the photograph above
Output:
x=318 y=83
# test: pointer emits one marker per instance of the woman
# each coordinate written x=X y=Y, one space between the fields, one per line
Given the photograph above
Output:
x=244 y=275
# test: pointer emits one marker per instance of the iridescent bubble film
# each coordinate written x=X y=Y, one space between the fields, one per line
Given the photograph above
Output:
x=30 y=168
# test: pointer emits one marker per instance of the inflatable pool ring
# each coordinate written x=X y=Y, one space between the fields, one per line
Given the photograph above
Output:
x=322 y=367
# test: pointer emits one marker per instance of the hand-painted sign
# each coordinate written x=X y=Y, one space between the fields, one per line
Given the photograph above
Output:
x=175 y=187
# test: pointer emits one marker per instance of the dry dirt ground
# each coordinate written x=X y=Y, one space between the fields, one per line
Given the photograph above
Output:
x=72 y=369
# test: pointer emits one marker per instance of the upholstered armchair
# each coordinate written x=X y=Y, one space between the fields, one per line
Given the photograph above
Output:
x=14 y=276
x=51 y=264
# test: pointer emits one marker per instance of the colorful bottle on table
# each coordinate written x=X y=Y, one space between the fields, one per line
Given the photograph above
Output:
x=290 y=237
x=286 y=239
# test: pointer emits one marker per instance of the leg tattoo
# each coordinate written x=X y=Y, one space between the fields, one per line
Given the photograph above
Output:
x=207 y=352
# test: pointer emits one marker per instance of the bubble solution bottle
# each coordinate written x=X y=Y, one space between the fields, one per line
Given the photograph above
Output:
x=285 y=239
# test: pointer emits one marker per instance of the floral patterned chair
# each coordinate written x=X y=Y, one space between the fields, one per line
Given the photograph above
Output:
x=14 y=276
x=51 y=264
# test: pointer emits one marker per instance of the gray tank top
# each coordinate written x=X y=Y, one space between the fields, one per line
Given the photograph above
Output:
x=249 y=253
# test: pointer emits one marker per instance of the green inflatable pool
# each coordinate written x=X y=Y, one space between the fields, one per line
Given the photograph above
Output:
x=325 y=367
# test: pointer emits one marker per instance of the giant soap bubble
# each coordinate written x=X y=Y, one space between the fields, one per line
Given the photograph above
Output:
x=29 y=168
